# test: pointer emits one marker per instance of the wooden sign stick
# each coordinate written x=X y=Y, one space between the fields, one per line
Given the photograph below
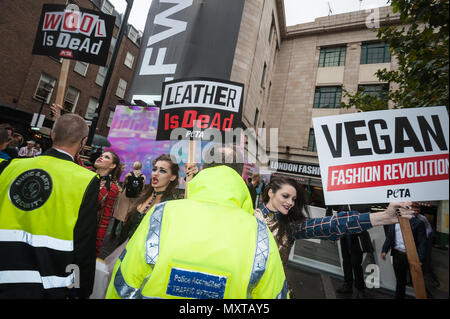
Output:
x=191 y=160
x=413 y=259
x=62 y=82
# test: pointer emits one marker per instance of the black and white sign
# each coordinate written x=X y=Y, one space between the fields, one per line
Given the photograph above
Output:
x=198 y=105
x=384 y=156
x=75 y=33
x=298 y=168
x=185 y=39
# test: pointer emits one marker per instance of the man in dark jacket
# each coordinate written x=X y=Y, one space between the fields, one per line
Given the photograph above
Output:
x=353 y=246
x=48 y=208
x=394 y=242
x=252 y=185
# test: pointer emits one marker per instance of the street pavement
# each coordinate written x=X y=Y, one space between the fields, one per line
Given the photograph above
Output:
x=309 y=283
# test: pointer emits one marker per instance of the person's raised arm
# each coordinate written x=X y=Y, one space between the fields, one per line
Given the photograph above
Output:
x=392 y=213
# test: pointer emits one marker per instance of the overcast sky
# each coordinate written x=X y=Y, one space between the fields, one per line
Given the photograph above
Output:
x=297 y=11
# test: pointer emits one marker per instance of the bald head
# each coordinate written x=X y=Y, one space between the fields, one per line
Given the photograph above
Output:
x=69 y=130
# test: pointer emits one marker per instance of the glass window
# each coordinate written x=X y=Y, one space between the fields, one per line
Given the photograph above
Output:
x=263 y=78
x=376 y=90
x=129 y=59
x=107 y=7
x=44 y=88
x=375 y=53
x=71 y=99
x=92 y=107
x=113 y=44
x=332 y=56
x=101 y=75
x=121 y=88
x=255 y=120
x=81 y=68
x=327 y=97
x=133 y=34
x=110 y=119
x=272 y=29
x=312 y=141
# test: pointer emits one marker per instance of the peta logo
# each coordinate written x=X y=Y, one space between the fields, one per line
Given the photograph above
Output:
x=398 y=193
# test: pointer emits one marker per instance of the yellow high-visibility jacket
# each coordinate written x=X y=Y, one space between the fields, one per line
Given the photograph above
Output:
x=206 y=246
x=48 y=208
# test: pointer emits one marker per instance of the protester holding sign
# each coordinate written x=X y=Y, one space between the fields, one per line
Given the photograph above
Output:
x=283 y=211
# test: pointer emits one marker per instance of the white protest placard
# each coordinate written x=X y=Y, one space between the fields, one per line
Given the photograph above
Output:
x=384 y=156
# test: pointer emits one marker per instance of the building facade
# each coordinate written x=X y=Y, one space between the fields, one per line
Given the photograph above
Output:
x=293 y=74
x=29 y=79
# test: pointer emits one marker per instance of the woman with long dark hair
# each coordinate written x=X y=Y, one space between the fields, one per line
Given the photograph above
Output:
x=109 y=169
x=283 y=205
x=162 y=187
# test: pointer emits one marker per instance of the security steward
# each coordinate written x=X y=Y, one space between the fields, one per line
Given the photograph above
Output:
x=208 y=246
x=48 y=208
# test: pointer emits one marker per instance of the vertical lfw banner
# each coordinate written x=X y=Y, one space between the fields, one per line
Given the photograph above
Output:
x=74 y=33
x=186 y=38
x=384 y=156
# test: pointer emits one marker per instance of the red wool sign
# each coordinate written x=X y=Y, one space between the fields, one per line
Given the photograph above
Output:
x=80 y=34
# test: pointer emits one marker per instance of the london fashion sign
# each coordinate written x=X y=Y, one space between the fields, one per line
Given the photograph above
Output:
x=384 y=156
x=74 y=33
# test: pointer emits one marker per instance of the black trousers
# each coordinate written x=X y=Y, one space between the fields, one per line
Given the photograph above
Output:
x=352 y=263
x=401 y=267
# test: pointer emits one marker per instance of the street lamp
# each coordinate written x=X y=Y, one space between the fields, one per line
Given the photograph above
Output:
x=46 y=89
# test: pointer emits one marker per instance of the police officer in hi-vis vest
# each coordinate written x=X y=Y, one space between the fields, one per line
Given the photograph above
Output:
x=48 y=208
x=208 y=246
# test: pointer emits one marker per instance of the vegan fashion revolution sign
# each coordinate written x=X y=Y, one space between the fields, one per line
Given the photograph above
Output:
x=200 y=104
x=74 y=33
x=384 y=156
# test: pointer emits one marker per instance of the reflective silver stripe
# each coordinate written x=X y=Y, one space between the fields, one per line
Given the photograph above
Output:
x=32 y=276
x=261 y=256
x=154 y=234
x=124 y=290
x=284 y=291
x=15 y=235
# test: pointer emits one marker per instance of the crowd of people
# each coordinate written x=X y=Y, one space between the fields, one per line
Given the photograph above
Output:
x=210 y=236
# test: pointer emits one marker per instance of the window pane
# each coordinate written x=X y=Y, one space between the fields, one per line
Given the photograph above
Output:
x=81 y=68
x=107 y=7
x=121 y=88
x=71 y=99
x=129 y=59
x=379 y=90
x=110 y=119
x=44 y=88
x=92 y=106
x=101 y=75
x=311 y=141
x=327 y=97
x=375 y=53
x=332 y=57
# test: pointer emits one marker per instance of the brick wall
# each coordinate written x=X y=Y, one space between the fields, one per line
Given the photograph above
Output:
x=21 y=70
